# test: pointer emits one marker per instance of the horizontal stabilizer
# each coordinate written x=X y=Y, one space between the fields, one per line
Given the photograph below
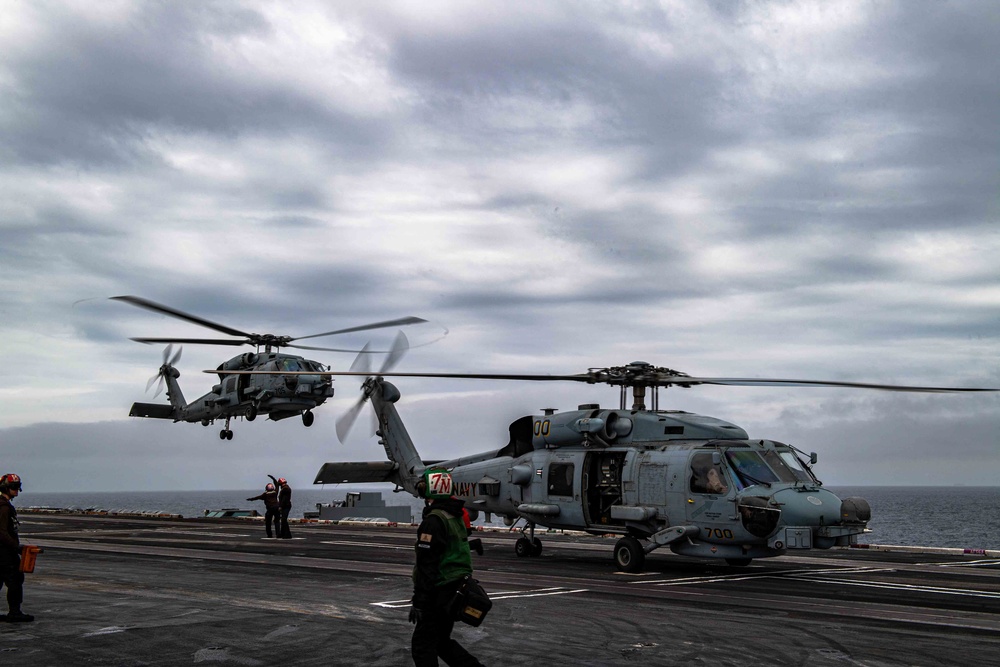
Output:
x=339 y=473
x=153 y=410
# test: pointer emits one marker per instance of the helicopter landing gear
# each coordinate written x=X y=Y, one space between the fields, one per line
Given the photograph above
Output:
x=629 y=554
x=226 y=434
x=528 y=545
x=307 y=418
x=251 y=413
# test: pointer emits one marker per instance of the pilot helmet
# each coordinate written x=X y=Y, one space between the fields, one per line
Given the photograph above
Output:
x=10 y=481
x=269 y=487
x=436 y=484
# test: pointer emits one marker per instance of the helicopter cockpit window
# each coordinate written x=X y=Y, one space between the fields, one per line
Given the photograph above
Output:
x=787 y=466
x=561 y=479
x=750 y=468
x=707 y=477
x=289 y=365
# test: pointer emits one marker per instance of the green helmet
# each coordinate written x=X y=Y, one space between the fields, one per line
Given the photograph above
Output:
x=436 y=484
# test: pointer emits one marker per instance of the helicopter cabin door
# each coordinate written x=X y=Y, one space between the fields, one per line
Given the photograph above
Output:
x=602 y=486
x=710 y=492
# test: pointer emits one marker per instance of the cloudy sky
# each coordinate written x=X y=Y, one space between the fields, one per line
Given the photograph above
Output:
x=785 y=189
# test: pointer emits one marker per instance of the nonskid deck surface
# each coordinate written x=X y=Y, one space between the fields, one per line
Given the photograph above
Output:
x=126 y=591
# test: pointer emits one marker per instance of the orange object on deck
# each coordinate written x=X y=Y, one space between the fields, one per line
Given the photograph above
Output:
x=28 y=556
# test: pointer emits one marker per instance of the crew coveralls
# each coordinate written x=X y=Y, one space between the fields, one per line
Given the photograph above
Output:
x=10 y=556
x=443 y=560
x=270 y=499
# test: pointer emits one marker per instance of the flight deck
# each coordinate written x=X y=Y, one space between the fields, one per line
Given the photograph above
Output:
x=133 y=591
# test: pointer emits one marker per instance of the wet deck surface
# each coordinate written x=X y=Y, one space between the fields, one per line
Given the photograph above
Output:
x=122 y=591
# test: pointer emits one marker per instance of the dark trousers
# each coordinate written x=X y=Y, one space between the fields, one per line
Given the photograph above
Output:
x=272 y=516
x=284 y=531
x=14 y=581
x=432 y=636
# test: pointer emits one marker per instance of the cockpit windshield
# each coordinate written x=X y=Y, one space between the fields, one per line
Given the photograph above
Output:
x=787 y=466
x=750 y=468
x=773 y=466
x=290 y=365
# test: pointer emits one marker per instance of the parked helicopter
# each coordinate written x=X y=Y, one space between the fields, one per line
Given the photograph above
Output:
x=292 y=386
x=660 y=478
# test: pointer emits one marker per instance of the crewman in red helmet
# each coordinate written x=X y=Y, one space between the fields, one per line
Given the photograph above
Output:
x=10 y=551
x=284 y=507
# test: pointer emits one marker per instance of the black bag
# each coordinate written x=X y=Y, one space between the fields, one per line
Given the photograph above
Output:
x=471 y=603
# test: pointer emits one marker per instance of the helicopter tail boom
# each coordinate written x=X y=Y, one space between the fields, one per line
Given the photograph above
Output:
x=399 y=448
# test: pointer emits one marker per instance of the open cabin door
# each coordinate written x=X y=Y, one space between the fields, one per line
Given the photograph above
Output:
x=602 y=486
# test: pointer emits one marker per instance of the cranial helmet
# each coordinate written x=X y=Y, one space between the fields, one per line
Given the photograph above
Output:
x=437 y=484
x=10 y=481
x=269 y=487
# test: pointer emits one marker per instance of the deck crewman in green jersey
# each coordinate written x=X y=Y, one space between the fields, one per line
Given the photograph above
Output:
x=443 y=560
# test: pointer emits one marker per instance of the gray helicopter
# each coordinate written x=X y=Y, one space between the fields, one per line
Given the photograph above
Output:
x=268 y=382
x=659 y=478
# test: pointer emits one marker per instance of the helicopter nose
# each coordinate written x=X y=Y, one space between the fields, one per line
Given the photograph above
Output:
x=813 y=507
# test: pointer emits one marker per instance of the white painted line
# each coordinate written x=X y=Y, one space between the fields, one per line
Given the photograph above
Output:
x=501 y=595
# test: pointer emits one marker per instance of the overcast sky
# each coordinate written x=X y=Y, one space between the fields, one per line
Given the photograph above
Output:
x=787 y=189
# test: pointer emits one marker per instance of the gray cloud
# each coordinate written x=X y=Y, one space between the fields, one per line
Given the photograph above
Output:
x=772 y=189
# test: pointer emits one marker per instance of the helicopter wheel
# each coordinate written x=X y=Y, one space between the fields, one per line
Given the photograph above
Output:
x=229 y=435
x=523 y=547
x=222 y=434
x=251 y=413
x=536 y=547
x=307 y=418
x=739 y=562
x=629 y=554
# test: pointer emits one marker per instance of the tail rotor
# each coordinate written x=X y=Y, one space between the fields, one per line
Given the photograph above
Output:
x=167 y=367
x=362 y=364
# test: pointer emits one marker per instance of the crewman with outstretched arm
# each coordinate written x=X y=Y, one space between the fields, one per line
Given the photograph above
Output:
x=270 y=498
x=284 y=507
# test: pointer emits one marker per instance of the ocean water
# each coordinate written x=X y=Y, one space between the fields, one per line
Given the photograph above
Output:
x=932 y=516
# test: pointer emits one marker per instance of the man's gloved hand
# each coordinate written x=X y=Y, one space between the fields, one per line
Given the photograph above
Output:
x=249 y=498
x=476 y=544
x=416 y=614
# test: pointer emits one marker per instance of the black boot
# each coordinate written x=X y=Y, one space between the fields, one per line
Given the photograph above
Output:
x=19 y=617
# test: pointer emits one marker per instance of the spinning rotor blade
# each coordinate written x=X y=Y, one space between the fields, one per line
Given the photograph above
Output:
x=179 y=314
x=361 y=366
x=401 y=322
x=774 y=382
x=652 y=380
x=175 y=358
x=193 y=341
x=168 y=362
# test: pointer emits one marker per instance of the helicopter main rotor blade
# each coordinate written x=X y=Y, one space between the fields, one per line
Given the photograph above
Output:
x=401 y=322
x=663 y=381
x=193 y=341
x=179 y=314
x=775 y=382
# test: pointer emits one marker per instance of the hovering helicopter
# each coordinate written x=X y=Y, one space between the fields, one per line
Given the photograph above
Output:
x=292 y=385
x=659 y=478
